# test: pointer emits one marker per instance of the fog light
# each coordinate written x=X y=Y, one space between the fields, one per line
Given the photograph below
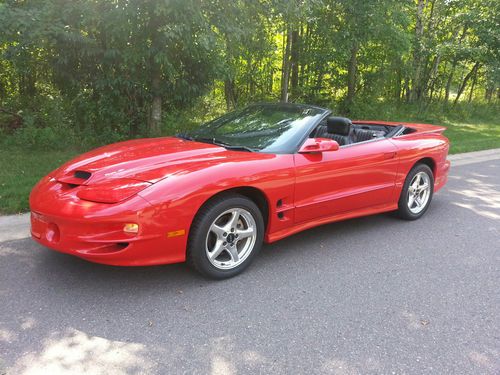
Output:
x=131 y=228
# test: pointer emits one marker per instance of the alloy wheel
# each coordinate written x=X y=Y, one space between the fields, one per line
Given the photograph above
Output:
x=231 y=238
x=419 y=192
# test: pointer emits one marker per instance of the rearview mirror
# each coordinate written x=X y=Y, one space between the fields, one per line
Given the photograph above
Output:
x=312 y=145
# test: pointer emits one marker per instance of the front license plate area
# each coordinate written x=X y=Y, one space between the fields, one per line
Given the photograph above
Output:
x=38 y=225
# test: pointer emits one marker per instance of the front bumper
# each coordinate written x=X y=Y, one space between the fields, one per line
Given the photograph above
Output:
x=94 y=231
x=442 y=176
x=98 y=242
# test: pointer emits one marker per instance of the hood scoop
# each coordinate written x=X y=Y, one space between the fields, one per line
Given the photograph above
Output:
x=83 y=175
x=75 y=178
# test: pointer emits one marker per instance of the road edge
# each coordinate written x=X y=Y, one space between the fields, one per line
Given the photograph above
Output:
x=474 y=157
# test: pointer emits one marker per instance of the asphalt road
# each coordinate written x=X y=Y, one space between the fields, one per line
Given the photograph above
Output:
x=372 y=296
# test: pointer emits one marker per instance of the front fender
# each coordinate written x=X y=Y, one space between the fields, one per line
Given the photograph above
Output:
x=178 y=198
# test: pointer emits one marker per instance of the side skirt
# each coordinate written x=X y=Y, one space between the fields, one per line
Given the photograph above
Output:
x=276 y=236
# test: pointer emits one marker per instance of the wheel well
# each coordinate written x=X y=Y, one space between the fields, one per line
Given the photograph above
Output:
x=430 y=163
x=254 y=194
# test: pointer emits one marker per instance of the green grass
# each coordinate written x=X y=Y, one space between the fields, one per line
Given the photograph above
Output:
x=20 y=169
x=466 y=136
x=470 y=127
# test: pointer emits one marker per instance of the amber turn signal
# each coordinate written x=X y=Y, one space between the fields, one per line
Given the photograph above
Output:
x=131 y=228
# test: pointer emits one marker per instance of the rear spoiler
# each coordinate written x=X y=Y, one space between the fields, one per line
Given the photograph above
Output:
x=401 y=128
x=426 y=128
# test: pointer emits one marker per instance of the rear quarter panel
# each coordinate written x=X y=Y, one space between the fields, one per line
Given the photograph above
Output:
x=414 y=147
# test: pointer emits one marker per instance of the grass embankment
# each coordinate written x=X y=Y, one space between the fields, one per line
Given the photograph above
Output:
x=20 y=169
x=466 y=137
x=470 y=127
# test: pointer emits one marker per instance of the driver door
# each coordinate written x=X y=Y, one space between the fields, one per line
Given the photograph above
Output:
x=355 y=177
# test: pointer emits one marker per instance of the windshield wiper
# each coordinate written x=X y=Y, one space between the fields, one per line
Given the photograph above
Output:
x=184 y=136
x=225 y=145
x=241 y=148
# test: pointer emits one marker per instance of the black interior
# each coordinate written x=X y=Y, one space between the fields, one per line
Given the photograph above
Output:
x=343 y=131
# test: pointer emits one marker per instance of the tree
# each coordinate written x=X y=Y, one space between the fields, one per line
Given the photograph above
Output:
x=115 y=69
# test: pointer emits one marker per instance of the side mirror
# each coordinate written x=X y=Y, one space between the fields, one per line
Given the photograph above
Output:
x=312 y=145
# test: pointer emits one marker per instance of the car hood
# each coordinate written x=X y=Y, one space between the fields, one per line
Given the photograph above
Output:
x=148 y=160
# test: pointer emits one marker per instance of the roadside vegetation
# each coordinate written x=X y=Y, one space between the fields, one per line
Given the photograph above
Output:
x=469 y=128
x=78 y=74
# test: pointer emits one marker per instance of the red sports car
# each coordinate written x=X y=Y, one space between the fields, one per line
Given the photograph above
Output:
x=214 y=195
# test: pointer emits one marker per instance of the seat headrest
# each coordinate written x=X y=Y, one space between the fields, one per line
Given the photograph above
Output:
x=338 y=125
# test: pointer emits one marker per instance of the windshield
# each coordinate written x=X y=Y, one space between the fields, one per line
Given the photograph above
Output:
x=275 y=128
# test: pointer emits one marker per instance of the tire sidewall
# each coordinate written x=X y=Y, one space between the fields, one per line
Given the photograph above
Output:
x=404 y=211
x=202 y=223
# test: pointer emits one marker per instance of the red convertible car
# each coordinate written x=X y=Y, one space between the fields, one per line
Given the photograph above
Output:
x=213 y=196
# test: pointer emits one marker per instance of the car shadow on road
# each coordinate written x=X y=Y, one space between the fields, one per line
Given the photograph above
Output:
x=65 y=269
x=62 y=270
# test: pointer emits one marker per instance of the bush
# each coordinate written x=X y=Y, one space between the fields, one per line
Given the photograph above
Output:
x=46 y=127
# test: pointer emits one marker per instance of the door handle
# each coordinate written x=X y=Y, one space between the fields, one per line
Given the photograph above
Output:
x=389 y=155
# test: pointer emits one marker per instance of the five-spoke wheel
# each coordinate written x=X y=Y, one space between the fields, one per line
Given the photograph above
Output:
x=231 y=238
x=417 y=192
x=225 y=236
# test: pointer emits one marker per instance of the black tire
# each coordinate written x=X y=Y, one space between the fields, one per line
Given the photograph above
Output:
x=404 y=211
x=197 y=255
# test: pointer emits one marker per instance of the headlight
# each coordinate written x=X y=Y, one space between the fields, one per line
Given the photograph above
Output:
x=112 y=191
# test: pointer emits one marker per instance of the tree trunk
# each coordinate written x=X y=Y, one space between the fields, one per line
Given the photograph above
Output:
x=285 y=71
x=464 y=82
x=304 y=51
x=352 y=72
x=453 y=66
x=27 y=86
x=431 y=80
x=473 y=86
x=229 y=94
x=251 y=80
x=155 y=116
x=448 y=82
x=294 y=57
x=319 y=81
x=488 y=93
x=271 y=80
x=426 y=81
x=431 y=93
x=416 y=91
x=407 y=90
x=399 y=78
x=155 y=68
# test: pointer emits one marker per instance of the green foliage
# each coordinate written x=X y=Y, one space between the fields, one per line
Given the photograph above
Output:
x=89 y=72
x=82 y=73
